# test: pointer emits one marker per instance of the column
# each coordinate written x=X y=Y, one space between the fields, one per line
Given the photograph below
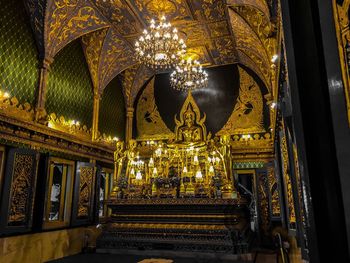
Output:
x=40 y=112
x=129 y=120
x=96 y=111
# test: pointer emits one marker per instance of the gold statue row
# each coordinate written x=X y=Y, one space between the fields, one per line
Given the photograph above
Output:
x=191 y=165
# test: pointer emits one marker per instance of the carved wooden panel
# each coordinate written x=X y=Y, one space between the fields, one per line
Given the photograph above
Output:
x=274 y=192
x=19 y=191
x=262 y=193
x=84 y=190
x=287 y=181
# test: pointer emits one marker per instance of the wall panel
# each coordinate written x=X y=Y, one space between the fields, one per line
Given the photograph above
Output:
x=18 y=53
x=70 y=90
x=112 y=110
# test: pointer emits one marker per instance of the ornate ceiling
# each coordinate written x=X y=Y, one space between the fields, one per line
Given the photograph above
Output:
x=217 y=32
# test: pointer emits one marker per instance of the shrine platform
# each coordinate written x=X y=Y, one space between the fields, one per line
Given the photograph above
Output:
x=180 y=224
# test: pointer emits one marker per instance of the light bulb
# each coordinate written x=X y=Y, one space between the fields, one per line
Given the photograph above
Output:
x=151 y=162
x=155 y=171
x=199 y=174
x=138 y=175
x=211 y=169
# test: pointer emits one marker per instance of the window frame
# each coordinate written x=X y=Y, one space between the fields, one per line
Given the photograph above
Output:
x=108 y=186
x=66 y=198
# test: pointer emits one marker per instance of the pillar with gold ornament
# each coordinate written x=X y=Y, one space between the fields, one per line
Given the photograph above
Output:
x=40 y=112
x=129 y=120
x=95 y=116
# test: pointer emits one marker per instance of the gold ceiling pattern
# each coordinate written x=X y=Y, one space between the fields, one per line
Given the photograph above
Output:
x=217 y=32
x=133 y=80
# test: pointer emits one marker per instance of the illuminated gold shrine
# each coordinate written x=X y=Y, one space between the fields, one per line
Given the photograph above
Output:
x=191 y=165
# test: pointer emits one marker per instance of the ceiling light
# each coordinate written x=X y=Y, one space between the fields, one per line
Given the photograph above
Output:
x=189 y=75
x=160 y=46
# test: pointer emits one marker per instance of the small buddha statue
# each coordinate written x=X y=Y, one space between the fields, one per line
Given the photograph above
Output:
x=190 y=131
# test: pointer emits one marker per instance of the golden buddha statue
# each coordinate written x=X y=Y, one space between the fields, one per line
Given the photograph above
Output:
x=190 y=129
x=190 y=132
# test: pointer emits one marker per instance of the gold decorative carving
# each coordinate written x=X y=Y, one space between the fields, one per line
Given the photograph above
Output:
x=196 y=34
x=274 y=192
x=247 y=115
x=42 y=137
x=143 y=74
x=72 y=127
x=85 y=191
x=120 y=15
x=341 y=16
x=175 y=9
x=150 y=125
x=21 y=188
x=261 y=25
x=71 y=19
x=205 y=23
x=227 y=50
x=116 y=56
x=263 y=202
x=246 y=41
x=219 y=29
x=59 y=12
x=287 y=181
x=128 y=80
x=12 y=108
x=157 y=7
x=260 y=5
x=92 y=45
x=211 y=10
x=133 y=80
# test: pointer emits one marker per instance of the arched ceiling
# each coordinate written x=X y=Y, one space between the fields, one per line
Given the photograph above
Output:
x=217 y=32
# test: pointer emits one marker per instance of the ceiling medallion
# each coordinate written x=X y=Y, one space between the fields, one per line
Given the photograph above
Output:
x=189 y=75
x=160 y=46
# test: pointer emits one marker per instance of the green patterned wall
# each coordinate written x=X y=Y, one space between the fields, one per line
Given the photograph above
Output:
x=70 y=90
x=18 y=53
x=112 y=110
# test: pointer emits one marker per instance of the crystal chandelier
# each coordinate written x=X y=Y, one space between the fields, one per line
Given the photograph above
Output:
x=160 y=46
x=189 y=75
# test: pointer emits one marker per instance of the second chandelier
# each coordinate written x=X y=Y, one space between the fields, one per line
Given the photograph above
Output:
x=189 y=75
